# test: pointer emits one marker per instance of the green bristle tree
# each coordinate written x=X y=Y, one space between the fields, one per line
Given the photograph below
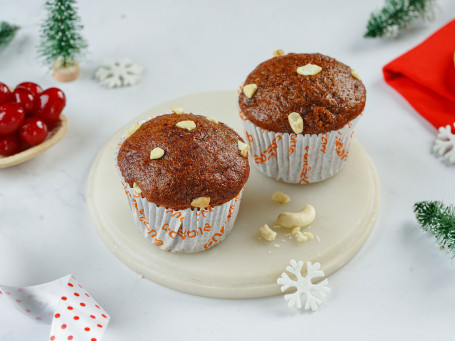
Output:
x=7 y=33
x=60 y=34
x=397 y=15
x=439 y=220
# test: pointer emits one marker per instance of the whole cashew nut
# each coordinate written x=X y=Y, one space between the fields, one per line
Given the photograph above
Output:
x=298 y=219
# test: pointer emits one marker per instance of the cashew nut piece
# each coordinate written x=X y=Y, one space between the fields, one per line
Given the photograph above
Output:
x=301 y=237
x=178 y=110
x=296 y=122
x=156 y=153
x=309 y=235
x=188 y=124
x=267 y=233
x=136 y=188
x=243 y=147
x=309 y=70
x=355 y=74
x=201 y=202
x=278 y=53
x=280 y=197
x=298 y=219
x=132 y=130
x=249 y=90
x=295 y=230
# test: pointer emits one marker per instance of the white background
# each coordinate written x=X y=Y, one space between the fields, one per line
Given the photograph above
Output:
x=399 y=287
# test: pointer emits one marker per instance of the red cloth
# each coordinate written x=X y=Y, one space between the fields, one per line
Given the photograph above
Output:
x=425 y=76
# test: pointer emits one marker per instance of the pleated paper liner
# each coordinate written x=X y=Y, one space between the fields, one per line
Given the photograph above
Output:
x=297 y=158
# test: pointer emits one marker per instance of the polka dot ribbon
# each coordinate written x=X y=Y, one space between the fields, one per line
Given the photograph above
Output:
x=72 y=312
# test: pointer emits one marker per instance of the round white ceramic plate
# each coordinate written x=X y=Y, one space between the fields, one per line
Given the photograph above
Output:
x=243 y=265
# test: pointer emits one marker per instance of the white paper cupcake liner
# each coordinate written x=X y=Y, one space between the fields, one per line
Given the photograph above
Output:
x=183 y=231
x=297 y=158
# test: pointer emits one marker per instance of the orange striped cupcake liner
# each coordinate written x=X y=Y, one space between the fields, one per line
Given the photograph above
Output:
x=298 y=158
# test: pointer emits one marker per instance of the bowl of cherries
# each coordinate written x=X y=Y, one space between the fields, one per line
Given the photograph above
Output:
x=31 y=121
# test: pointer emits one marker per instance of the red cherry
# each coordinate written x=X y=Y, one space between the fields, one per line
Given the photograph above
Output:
x=11 y=117
x=9 y=145
x=5 y=94
x=50 y=104
x=33 y=87
x=25 y=98
x=33 y=131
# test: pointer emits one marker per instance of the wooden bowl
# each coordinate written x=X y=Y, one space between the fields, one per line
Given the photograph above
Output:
x=54 y=135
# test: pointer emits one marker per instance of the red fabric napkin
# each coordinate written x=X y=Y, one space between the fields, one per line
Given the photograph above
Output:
x=425 y=76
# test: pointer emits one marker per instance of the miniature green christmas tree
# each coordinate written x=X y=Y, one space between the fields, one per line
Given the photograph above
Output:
x=7 y=33
x=439 y=220
x=398 y=14
x=61 y=42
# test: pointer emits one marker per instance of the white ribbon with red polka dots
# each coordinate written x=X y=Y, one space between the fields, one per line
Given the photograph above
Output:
x=64 y=303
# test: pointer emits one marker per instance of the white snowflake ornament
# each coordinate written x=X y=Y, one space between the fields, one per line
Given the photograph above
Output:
x=314 y=293
x=123 y=72
x=445 y=144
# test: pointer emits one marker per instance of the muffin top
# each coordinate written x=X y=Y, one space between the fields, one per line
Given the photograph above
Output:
x=326 y=100
x=202 y=159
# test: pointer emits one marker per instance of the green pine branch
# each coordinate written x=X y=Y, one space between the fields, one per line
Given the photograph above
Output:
x=439 y=220
x=7 y=33
x=397 y=15
x=60 y=34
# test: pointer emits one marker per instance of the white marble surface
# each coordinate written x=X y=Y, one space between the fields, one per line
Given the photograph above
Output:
x=400 y=286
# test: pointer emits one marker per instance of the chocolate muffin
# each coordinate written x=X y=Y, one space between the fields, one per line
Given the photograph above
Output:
x=183 y=175
x=299 y=112
x=326 y=101
x=201 y=162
